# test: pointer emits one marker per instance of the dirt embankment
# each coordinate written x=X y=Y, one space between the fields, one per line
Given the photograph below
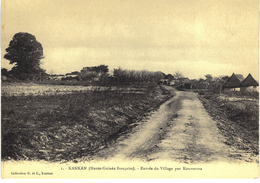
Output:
x=238 y=120
x=66 y=127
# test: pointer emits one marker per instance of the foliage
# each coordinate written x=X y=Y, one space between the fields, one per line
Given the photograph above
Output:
x=237 y=120
x=25 y=52
x=66 y=127
x=4 y=72
x=88 y=75
x=224 y=78
x=215 y=84
x=100 y=68
x=208 y=77
x=178 y=75
x=123 y=76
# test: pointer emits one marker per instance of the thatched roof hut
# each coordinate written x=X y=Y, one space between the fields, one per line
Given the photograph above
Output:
x=232 y=82
x=249 y=81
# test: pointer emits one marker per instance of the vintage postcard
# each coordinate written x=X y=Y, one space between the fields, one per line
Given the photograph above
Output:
x=100 y=89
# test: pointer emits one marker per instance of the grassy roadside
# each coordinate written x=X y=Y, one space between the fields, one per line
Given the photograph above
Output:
x=238 y=120
x=66 y=127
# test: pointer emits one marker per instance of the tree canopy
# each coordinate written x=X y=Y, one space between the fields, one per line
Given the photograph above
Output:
x=25 y=52
x=169 y=76
x=4 y=72
x=178 y=75
x=208 y=77
x=100 y=68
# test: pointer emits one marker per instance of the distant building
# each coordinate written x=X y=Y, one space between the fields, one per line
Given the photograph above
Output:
x=86 y=70
x=173 y=82
x=249 y=84
x=73 y=73
x=181 y=81
x=71 y=77
x=164 y=81
x=88 y=73
x=56 y=77
x=233 y=83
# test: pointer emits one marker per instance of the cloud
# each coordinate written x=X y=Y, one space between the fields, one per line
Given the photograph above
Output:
x=137 y=34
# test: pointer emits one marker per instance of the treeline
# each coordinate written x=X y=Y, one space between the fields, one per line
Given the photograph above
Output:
x=99 y=75
x=124 y=76
x=23 y=75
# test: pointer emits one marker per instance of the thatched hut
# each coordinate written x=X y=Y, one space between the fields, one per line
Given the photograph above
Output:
x=233 y=83
x=249 y=84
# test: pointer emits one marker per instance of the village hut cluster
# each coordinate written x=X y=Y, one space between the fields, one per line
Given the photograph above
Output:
x=235 y=84
x=85 y=73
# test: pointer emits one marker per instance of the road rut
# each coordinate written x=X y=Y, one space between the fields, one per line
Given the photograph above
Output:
x=180 y=130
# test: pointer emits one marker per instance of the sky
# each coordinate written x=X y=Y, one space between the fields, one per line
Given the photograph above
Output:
x=195 y=37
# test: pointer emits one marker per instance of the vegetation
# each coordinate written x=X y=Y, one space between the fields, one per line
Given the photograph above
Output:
x=123 y=76
x=237 y=117
x=4 y=72
x=67 y=127
x=100 y=68
x=94 y=73
x=25 y=52
x=178 y=75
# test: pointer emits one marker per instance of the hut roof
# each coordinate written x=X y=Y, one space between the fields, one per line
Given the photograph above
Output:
x=232 y=82
x=249 y=81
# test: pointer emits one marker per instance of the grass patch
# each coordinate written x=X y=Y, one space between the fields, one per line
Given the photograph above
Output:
x=252 y=94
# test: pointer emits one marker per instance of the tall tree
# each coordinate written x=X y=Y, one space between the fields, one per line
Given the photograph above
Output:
x=224 y=78
x=178 y=75
x=4 y=72
x=100 y=68
x=103 y=68
x=208 y=77
x=25 y=52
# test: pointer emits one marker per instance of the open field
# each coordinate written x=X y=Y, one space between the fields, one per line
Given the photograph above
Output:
x=107 y=122
x=25 y=89
x=69 y=126
x=238 y=121
x=32 y=89
x=182 y=131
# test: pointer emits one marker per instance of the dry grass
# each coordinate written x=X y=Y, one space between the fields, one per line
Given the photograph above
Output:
x=65 y=127
x=237 y=119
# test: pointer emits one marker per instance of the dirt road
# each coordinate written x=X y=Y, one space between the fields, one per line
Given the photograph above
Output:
x=180 y=130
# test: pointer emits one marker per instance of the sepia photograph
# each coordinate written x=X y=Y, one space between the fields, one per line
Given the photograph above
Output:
x=128 y=89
